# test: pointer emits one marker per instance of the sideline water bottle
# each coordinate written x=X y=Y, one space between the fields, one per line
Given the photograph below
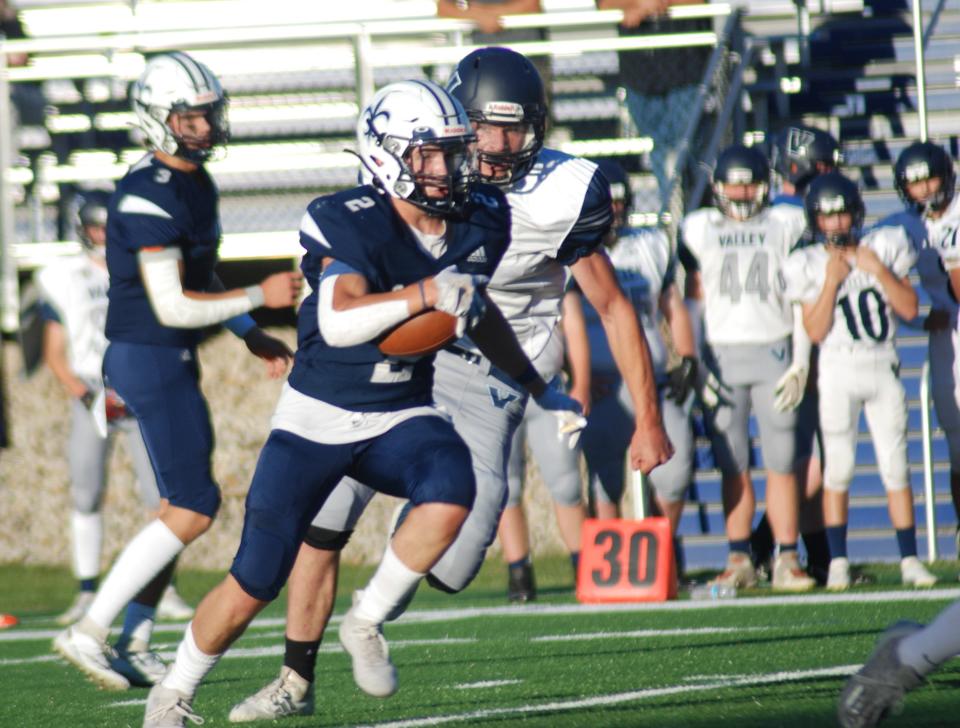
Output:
x=712 y=592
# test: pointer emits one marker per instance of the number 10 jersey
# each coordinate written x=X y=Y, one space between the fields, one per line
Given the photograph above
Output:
x=862 y=316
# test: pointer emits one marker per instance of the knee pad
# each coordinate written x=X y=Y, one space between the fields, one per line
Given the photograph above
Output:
x=440 y=586
x=326 y=540
x=265 y=557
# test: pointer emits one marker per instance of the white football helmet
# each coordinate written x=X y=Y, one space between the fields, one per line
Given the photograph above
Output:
x=406 y=116
x=175 y=82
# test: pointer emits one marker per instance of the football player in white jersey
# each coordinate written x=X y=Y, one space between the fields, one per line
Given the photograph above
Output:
x=798 y=154
x=560 y=208
x=926 y=181
x=74 y=308
x=851 y=287
x=757 y=355
x=645 y=266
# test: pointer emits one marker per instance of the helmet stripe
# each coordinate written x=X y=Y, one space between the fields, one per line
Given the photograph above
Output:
x=193 y=70
x=446 y=108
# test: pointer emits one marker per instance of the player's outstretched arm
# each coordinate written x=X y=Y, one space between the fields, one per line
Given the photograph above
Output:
x=594 y=274
x=162 y=273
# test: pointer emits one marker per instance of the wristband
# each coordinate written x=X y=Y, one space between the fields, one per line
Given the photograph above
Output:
x=256 y=295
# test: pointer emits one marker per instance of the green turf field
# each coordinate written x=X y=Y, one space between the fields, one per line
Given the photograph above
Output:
x=471 y=660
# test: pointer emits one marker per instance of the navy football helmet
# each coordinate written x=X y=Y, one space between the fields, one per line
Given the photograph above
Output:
x=800 y=153
x=620 y=192
x=91 y=213
x=741 y=165
x=920 y=161
x=830 y=194
x=502 y=87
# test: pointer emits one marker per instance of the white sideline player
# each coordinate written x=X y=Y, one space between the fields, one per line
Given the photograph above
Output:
x=734 y=254
x=74 y=308
x=926 y=181
x=561 y=209
x=851 y=288
x=645 y=266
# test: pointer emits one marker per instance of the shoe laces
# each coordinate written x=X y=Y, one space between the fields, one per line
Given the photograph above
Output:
x=181 y=707
x=373 y=643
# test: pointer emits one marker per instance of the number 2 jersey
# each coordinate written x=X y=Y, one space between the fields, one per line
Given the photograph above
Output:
x=740 y=264
x=360 y=228
x=862 y=316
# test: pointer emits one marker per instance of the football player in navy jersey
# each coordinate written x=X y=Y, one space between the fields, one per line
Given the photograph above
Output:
x=163 y=230
x=559 y=214
x=420 y=236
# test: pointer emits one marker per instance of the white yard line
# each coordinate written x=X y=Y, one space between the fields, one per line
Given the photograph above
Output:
x=646 y=633
x=618 y=698
x=486 y=684
x=539 y=610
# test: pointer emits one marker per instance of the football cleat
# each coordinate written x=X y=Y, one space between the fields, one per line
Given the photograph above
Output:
x=91 y=657
x=879 y=686
x=139 y=664
x=76 y=611
x=289 y=694
x=739 y=572
x=168 y=708
x=914 y=573
x=838 y=575
x=173 y=606
x=788 y=576
x=521 y=587
x=363 y=640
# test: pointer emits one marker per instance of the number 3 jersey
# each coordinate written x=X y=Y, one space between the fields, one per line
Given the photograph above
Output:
x=740 y=264
x=862 y=317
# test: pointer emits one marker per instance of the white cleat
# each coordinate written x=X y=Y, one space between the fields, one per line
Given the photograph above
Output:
x=76 y=611
x=173 y=606
x=289 y=694
x=91 y=657
x=139 y=664
x=168 y=708
x=373 y=671
x=838 y=575
x=914 y=573
x=788 y=576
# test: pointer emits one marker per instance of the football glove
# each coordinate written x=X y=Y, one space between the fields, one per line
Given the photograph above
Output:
x=790 y=387
x=116 y=408
x=711 y=391
x=567 y=411
x=459 y=294
x=681 y=380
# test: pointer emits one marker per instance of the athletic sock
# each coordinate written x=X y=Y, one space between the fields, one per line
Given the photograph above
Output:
x=86 y=530
x=935 y=644
x=191 y=666
x=818 y=550
x=785 y=548
x=907 y=542
x=391 y=585
x=138 y=624
x=301 y=657
x=837 y=541
x=575 y=561
x=88 y=585
x=739 y=546
x=141 y=560
x=519 y=563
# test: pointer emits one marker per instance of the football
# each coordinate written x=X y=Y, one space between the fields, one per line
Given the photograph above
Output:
x=422 y=334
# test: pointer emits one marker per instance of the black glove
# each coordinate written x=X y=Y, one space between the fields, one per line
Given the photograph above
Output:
x=681 y=379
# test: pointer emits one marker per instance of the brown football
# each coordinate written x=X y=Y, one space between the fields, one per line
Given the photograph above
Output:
x=422 y=334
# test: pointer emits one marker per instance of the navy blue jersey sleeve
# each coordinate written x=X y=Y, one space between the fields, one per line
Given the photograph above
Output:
x=687 y=259
x=47 y=312
x=593 y=222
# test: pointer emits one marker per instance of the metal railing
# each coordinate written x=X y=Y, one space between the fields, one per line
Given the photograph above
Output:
x=929 y=495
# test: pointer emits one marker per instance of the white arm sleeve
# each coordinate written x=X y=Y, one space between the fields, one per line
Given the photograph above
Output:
x=355 y=325
x=161 y=278
x=801 y=341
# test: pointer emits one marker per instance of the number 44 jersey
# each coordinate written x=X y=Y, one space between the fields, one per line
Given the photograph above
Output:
x=862 y=317
x=740 y=264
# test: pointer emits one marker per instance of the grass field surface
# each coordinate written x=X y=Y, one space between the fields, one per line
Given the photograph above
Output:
x=758 y=660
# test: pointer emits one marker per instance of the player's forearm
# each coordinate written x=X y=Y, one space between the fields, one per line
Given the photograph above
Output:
x=628 y=344
x=577 y=344
x=499 y=344
x=818 y=318
x=74 y=386
x=681 y=325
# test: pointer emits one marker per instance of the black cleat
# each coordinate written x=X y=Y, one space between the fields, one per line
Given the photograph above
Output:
x=521 y=587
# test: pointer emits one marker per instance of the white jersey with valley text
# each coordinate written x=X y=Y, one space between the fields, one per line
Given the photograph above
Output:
x=557 y=210
x=76 y=289
x=645 y=266
x=862 y=317
x=740 y=265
